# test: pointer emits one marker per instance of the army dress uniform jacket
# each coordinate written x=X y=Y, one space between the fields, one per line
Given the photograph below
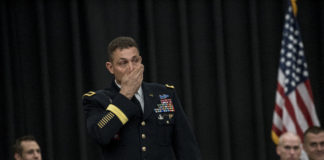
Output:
x=124 y=132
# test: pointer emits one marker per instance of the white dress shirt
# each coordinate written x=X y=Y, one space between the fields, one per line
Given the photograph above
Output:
x=138 y=95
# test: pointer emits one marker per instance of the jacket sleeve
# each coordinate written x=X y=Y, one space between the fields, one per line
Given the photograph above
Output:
x=106 y=115
x=184 y=141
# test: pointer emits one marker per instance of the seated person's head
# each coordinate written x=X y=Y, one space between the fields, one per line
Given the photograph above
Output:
x=289 y=146
x=314 y=143
x=26 y=148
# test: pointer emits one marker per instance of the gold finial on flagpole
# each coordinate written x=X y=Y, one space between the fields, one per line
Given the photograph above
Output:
x=294 y=6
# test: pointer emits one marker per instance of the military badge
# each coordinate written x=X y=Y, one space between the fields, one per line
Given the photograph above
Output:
x=170 y=116
x=160 y=117
x=166 y=104
x=164 y=96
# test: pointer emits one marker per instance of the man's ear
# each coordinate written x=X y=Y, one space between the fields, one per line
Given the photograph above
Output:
x=278 y=150
x=109 y=67
x=17 y=156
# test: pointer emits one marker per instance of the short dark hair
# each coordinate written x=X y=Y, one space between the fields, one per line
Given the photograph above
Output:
x=17 y=146
x=314 y=130
x=120 y=43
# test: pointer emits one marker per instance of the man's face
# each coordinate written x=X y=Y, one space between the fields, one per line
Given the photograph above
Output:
x=123 y=61
x=314 y=146
x=290 y=149
x=31 y=151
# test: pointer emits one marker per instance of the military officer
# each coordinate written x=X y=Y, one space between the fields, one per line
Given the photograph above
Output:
x=133 y=119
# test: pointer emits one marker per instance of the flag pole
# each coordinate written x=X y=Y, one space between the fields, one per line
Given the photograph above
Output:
x=294 y=6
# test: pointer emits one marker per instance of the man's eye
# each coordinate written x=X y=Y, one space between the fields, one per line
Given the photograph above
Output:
x=296 y=147
x=135 y=60
x=122 y=63
x=313 y=144
x=287 y=147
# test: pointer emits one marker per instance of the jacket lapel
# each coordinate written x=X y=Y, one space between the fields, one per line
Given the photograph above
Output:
x=149 y=100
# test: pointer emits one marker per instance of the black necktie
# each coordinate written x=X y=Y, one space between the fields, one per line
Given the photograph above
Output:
x=135 y=100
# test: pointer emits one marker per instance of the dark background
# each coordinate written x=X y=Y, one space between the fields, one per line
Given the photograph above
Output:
x=221 y=55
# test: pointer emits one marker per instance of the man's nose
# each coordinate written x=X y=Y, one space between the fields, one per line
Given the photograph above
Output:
x=320 y=147
x=131 y=66
x=292 y=151
x=37 y=155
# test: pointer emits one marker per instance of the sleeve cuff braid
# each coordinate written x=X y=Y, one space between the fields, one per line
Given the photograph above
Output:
x=120 y=114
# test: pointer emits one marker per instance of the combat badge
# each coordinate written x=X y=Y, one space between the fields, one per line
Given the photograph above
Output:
x=160 y=117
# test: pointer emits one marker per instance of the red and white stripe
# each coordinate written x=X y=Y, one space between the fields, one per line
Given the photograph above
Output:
x=294 y=112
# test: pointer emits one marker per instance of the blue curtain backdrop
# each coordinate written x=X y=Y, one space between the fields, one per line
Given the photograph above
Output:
x=221 y=55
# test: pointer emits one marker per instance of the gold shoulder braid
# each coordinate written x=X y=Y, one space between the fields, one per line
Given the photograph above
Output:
x=169 y=86
x=89 y=94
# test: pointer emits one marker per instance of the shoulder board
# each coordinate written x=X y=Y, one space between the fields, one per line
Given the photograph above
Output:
x=89 y=94
x=169 y=86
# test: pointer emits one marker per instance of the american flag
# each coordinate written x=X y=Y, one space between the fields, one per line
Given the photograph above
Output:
x=294 y=107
